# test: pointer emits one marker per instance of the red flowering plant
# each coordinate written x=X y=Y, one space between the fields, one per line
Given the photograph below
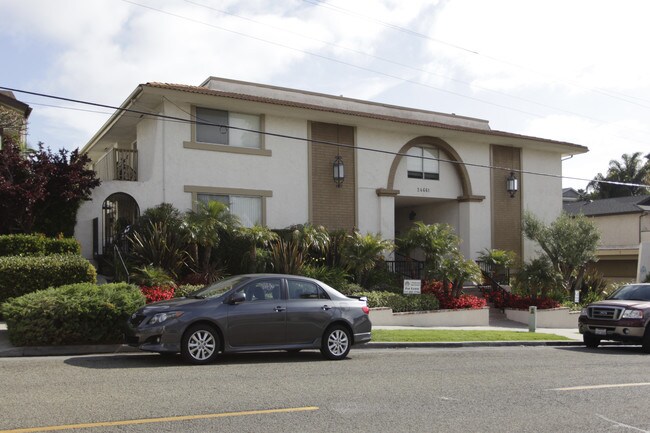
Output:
x=502 y=299
x=444 y=293
x=157 y=293
x=154 y=284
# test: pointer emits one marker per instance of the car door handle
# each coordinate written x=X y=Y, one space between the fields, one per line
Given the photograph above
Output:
x=326 y=307
x=279 y=309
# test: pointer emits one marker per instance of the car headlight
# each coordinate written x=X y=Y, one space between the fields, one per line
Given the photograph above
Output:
x=583 y=312
x=632 y=314
x=161 y=317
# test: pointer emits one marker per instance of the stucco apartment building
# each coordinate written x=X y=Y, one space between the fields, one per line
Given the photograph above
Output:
x=270 y=153
x=624 y=225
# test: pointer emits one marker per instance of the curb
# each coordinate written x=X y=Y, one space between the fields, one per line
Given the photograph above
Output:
x=32 y=351
x=442 y=345
x=29 y=351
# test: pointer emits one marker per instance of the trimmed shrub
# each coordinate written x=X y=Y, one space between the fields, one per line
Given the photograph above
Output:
x=400 y=303
x=21 y=275
x=73 y=314
x=37 y=245
x=186 y=289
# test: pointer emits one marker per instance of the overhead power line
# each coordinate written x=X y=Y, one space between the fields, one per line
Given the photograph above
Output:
x=374 y=71
x=615 y=95
x=309 y=140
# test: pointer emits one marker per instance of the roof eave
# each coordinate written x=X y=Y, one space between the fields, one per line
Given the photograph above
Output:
x=115 y=117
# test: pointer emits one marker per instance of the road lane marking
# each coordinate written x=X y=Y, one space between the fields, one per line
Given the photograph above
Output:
x=581 y=388
x=158 y=420
x=620 y=424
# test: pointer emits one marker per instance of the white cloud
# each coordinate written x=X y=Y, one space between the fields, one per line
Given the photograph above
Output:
x=605 y=142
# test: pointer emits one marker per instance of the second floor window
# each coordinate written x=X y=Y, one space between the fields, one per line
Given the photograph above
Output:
x=213 y=127
x=422 y=163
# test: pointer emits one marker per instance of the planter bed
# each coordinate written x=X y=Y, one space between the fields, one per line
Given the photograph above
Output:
x=386 y=317
x=551 y=318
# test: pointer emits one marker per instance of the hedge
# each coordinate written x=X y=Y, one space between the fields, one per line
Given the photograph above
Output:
x=37 y=245
x=400 y=303
x=74 y=314
x=21 y=275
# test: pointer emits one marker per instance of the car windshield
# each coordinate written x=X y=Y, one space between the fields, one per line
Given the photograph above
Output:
x=219 y=288
x=633 y=292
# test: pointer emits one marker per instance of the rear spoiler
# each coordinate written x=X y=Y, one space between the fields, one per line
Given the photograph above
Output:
x=361 y=298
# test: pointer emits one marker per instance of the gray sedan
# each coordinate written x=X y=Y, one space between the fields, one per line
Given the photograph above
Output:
x=253 y=312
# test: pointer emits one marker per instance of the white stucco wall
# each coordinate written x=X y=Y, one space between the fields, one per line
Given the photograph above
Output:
x=541 y=195
x=166 y=167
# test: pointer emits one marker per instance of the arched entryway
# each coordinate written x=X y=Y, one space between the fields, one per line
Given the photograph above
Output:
x=434 y=193
x=119 y=212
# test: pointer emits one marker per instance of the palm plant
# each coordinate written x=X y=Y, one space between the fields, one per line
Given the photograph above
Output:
x=434 y=240
x=257 y=237
x=631 y=169
x=361 y=253
x=204 y=225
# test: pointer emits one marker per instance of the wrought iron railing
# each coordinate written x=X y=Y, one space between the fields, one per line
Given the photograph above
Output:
x=118 y=164
x=409 y=268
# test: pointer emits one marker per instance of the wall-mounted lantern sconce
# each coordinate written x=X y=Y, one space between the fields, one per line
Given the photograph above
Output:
x=339 y=171
x=512 y=184
x=412 y=215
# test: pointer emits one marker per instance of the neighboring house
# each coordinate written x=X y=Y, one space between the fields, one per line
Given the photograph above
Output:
x=570 y=195
x=401 y=165
x=624 y=224
x=13 y=116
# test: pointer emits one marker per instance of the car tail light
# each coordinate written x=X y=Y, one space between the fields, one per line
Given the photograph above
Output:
x=365 y=309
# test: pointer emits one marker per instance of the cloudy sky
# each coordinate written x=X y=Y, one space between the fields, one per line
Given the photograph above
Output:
x=576 y=71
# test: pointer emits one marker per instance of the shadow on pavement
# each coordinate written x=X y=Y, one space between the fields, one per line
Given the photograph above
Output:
x=614 y=349
x=148 y=360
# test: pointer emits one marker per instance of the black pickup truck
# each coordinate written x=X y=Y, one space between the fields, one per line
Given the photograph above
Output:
x=623 y=316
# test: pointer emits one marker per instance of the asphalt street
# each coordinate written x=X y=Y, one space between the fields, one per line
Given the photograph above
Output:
x=487 y=389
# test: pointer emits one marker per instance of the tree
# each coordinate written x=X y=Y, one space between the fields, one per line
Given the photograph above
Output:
x=41 y=191
x=69 y=182
x=631 y=169
x=569 y=243
x=21 y=187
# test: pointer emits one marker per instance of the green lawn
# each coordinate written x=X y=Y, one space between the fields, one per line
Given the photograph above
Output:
x=450 y=335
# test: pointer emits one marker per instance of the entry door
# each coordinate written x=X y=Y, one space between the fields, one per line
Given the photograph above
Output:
x=261 y=319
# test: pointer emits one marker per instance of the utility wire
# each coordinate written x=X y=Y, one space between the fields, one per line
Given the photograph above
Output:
x=396 y=63
x=366 y=69
x=615 y=95
x=308 y=140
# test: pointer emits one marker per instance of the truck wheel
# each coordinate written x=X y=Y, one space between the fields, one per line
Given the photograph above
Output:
x=591 y=341
x=645 y=344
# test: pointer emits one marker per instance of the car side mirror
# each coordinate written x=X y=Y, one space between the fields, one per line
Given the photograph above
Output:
x=237 y=298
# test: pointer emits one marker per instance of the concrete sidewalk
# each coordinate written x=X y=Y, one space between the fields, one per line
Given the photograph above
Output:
x=8 y=350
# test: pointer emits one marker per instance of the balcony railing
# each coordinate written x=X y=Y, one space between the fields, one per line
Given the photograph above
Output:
x=118 y=164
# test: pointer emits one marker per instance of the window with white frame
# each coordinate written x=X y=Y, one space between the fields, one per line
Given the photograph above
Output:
x=221 y=127
x=422 y=163
x=247 y=209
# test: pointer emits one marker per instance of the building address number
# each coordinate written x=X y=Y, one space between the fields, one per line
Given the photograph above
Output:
x=423 y=189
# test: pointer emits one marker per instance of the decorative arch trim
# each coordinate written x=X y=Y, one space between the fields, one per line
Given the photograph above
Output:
x=460 y=169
